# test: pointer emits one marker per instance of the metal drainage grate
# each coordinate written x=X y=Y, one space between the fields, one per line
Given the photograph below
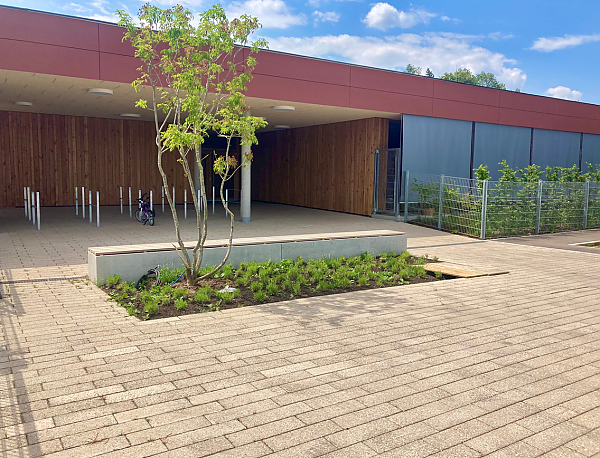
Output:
x=41 y=280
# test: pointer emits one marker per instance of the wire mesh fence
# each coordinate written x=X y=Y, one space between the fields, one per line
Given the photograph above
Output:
x=489 y=209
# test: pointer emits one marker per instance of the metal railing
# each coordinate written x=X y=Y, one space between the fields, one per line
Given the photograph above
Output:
x=489 y=209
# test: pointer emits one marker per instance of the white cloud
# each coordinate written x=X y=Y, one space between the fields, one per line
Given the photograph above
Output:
x=383 y=16
x=550 y=44
x=270 y=13
x=76 y=7
x=448 y=18
x=499 y=36
x=562 y=92
x=442 y=52
x=327 y=16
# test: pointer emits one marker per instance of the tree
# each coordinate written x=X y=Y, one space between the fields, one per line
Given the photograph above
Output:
x=411 y=69
x=429 y=73
x=197 y=75
x=464 y=75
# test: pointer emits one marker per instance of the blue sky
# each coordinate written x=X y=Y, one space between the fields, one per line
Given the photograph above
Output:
x=541 y=47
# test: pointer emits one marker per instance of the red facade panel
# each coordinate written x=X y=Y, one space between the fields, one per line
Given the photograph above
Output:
x=367 y=99
x=464 y=111
x=110 y=39
x=381 y=80
x=48 y=29
x=448 y=90
x=53 y=60
x=512 y=117
x=118 y=68
x=572 y=124
x=576 y=109
x=302 y=68
x=526 y=102
x=277 y=88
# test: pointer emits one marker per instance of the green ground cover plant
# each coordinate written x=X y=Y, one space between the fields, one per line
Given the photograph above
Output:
x=257 y=283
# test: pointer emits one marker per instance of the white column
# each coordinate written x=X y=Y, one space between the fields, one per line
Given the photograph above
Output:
x=197 y=170
x=246 y=194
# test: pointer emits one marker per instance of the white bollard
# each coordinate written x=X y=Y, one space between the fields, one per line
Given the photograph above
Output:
x=90 y=200
x=121 y=198
x=226 y=200
x=185 y=204
x=130 y=201
x=33 y=207
x=199 y=200
x=173 y=197
x=76 y=203
x=213 y=200
x=37 y=200
x=25 y=204
x=98 y=209
x=162 y=190
x=139 y=197
x=82 y=202
x=29 y=202
x=151 y=204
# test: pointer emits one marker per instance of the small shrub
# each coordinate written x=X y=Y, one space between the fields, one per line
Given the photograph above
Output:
x=151 y=307
x=180 y=304
x=201 y=297
x=286 y=285
x=259 y=296
x=272 y=289
x=362 y=281
x=113 y=281
x=438 y=275
x=168 y=276
x=256 y=286
x=296 y=288
x=323 y=286
x=225 y=297
x=179 y=293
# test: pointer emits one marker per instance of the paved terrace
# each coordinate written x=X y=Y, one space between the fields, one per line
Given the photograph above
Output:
x=504 y=366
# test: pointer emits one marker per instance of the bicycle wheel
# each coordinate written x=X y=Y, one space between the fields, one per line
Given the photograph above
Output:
x=151 y=217
x=139 y=214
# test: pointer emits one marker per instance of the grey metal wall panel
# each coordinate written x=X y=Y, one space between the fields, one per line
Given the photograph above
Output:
x=591 y=151
x=555 y=149
x=494 y=142
x=436 y=146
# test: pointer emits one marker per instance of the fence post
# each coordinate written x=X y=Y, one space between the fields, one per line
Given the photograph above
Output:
x=90 y=200
x=406 y=177
x=37 y=201
x=162 y=190
x=376 y=183
x=98 y=209
x=586 y=203
x=130 y=201
x=139 y=197
x=441 y=198
x=76 y=203
x=184 y=203
x=33 y=207
x=121 y=198
x=151 y=203
x=397 y=176
x=538 y=207
x=213 y=200
x=83 y=202
x=29 y=202
x=174 y=201
x=25 y=199
x=199 y=200
x=484 y=196
x=226 y=201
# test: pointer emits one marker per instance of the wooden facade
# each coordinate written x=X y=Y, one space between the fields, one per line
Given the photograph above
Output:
x=53 y=154
x=328 y=166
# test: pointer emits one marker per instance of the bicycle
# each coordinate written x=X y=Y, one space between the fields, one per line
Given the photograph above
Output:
x=143 y=214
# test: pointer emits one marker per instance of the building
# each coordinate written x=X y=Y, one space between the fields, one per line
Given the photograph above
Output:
x=55 y=135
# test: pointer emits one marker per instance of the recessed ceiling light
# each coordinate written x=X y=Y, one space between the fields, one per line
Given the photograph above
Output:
x=281 y=126
x=23 y=104
x=100 y=91
x=130 y=115
x=284 y=108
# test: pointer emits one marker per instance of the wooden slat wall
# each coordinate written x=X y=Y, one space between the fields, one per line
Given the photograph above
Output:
x=328 y=166
x=54 y=153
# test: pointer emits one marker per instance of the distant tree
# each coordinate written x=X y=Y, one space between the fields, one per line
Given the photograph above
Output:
x=429 y=73
x=517 y=90
x=464 y=75
x=410 y=68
